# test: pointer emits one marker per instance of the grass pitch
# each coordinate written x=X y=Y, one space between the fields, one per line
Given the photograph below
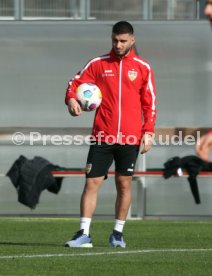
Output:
x=35 y=246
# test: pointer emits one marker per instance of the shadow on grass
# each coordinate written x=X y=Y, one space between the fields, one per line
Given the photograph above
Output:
x=31 y=244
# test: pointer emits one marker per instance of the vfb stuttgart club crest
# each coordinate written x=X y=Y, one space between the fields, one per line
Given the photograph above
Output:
x=132 y=75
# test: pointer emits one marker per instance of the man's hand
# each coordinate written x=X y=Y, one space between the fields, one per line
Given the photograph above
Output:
x=204 y=146
x=74 y=107
x=146 y=143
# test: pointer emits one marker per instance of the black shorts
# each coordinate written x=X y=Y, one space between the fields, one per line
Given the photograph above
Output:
x=101 y=157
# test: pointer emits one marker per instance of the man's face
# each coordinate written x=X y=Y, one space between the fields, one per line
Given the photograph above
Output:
x=208 y=10
x=122 y=43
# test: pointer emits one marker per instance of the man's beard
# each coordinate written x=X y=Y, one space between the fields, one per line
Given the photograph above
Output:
x=123 y=53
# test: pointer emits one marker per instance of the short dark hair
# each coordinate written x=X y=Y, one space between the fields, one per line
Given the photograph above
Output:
x=122 y=27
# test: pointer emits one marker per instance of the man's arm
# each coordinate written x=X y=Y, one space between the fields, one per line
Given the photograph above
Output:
x=85 y=75
x=148 y=100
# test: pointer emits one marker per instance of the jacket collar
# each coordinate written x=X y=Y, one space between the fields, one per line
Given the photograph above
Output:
x=127 y=57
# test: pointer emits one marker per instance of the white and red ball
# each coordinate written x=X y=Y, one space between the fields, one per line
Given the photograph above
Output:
x=89 y=96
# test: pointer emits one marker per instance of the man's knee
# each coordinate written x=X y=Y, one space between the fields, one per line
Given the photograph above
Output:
x=93 y=184
x=123 y=183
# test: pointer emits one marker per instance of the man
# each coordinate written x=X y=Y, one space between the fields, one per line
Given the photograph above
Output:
x=204 y=145
x=128 y=97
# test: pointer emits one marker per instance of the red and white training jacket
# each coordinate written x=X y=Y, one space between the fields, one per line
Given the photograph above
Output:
x=128 y=91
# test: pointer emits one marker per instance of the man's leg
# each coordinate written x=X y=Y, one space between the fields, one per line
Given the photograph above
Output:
x=125 y=158
x=123 y=198
x=89 y=196
x=87 y=206
x=88 y=202
x=98 y=162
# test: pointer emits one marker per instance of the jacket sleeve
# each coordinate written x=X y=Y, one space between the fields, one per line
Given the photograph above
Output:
x=87 y=74
x=148 y=100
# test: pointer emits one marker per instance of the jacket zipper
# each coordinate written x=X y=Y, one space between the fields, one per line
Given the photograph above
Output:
x=119 y=102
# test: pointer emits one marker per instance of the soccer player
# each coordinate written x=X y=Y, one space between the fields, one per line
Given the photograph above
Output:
x=123 y=126
x=204 y=145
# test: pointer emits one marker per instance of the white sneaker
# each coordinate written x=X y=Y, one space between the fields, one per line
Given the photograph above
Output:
x=80 y=240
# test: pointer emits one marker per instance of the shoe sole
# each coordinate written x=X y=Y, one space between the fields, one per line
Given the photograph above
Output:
x=118 y=246
x=85 y=245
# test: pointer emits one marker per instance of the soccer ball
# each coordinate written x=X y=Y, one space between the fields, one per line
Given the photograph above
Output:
x=89 y=96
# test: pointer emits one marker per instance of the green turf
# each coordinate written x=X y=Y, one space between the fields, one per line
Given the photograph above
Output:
x=148 y=251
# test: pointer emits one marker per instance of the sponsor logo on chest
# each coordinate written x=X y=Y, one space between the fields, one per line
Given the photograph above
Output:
x=108 y=73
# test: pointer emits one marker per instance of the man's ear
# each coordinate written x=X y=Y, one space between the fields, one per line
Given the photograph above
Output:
x=133 y=40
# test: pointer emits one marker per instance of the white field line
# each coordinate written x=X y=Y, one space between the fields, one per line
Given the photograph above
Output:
x=144 y=251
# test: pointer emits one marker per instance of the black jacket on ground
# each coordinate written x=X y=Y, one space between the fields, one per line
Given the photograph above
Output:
x=31 y=177
x=193 y=165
